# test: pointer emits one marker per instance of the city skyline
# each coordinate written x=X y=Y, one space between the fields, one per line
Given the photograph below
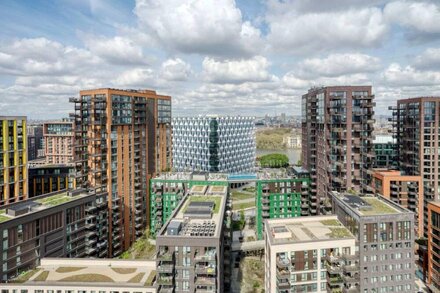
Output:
x=260 y=55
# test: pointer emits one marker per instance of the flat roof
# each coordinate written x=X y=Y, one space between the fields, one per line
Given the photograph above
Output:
x=199 y=214
x=39 y=203
x=369 y=205
x=196 y=176
x=306 y=229
x=128 y=273
x=383 y=138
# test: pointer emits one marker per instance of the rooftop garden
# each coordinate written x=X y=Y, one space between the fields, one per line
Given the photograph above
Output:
x=330 y=222
x=141 y=249
x=88 y=278
x=25 y=276
x=377 y=207
x=215 y=199
x=3 y=217
x=242 y=206
x=237 y=195
x=339 y=233
x=54 y=199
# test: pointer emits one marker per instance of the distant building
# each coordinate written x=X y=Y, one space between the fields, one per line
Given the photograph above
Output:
x=214 y=144
x=122 y=139
x=407 y=191
x=64 y=224
x=13 y=159
x=385 y=237
x=415 y=127
x=313 y=254
x=292 y=141
x=59 y=139
x=385 y=150
x=191 y=246
x=87 y=276
x=337 y=139
x=35 y=141
x=434 y=246
x=50 y=178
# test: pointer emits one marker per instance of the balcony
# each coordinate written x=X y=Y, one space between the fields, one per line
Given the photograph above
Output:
x=283 y=262
x=165 y=256
x=162 y=280
x=205 y=257
x=165 y=269
x=205 y=281
x=205 y=270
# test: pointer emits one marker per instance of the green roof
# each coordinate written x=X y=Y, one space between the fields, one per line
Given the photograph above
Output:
x=55 y=200
x=378 y=207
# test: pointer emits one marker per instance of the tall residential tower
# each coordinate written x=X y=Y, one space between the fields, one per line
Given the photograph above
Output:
x=13 y=159
x=123 y=138
x=337 y=133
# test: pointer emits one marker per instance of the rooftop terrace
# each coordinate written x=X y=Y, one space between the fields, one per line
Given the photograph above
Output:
x=307 y=229
x=127 y=273
x=369 y=205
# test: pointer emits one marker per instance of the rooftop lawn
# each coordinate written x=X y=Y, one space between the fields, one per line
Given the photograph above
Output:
x=3 y=217
x=88 y=278
x=215 y=199
x=330 y=222
x=339 y=233
x=242 y=206
x=378 y=207
x=54 y=199
x=236 y=195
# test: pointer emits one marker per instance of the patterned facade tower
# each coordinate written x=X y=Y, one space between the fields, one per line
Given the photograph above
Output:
x=214 y=144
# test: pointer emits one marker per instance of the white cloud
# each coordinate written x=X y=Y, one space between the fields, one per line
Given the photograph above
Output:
x=429 y=59
x=176 y=70
x=236 y=71
x=117 y=50
x=139 y=77
x=291 y=32
x=213 y=27
x=396 y=75
x=338 y=64
x=421 y=16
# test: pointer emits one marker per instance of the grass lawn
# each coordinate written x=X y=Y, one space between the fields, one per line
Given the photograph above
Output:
x=241 y=206
x=54 y=200
x=68 y=269
x=215 y=199
x=3 y=217
x=25 y=276
x=339 y=233
x=378 y=207
x=236 y=195
x=330 y=222
x=124 y=270
x=252 y=280
x=42 y=277
x=150 y=279
x=137 y=278
x=87 y=278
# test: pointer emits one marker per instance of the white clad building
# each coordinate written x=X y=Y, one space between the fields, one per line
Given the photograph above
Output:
x=214 y=144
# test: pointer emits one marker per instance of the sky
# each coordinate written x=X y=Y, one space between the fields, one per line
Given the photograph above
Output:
x=247 y=57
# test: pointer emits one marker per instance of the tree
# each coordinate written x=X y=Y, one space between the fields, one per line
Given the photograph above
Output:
x=274 y=161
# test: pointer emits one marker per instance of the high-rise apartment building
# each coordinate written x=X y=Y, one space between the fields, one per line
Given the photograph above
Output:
x=337 y=139
x=416 y=129
x=191 y=250
x=312 y=254
x=13 y=159
x=385 y=238
x=433 y=246
x=122 y=139
x=35 y=141
x=407 y=191
x=214 y=144
x=59 y=140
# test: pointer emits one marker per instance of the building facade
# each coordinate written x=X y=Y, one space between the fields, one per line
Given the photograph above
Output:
x=35 y=141
x=222 y=144
x=407 y=191
x=191 y=246
x=13 y=160
x=434 y=246
x=67 y=224
x=313 y=254
x=416 y=129
x=385 y=237
x=337 y=139
x=122 y=140
x=385 y=150
x=50 y=178
x=59 y=139
x=285 y=196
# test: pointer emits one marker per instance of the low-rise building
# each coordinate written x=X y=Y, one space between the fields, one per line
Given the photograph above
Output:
x=385 y=237
x=86 y=276
x=50 y=178
x=282 y=195
x=192 y=251
x=64 y=224
x=434 y=246
x=312 y=254
x=407 y=191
